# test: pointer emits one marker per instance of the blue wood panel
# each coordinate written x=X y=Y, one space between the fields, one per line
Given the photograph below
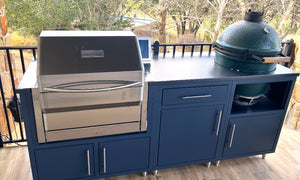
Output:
x=253 y=134
x=194 y=95
x=188 y=134
x=28 y=117
x=124 y=155
x=67 y=162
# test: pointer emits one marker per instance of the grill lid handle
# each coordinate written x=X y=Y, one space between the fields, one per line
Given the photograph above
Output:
x=61 y=88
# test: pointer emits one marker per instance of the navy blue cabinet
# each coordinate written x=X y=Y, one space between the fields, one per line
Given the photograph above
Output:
x=124 y=155
x=189 y=134
x=252 y=135
x=67 y=162
x=191 y=118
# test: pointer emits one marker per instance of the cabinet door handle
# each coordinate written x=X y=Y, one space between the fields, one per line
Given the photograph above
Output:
x=219 y=122
x=232 y=134
x=194 y=97
x=88 y=161
x=104 y=160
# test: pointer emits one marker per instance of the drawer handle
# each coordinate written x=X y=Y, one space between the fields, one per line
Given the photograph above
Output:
x=219 y=122
x=104 y=160
x=232 y=134
x=195 y=97
x=88 y=162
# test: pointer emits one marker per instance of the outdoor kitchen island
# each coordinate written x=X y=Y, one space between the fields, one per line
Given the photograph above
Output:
x=192 y=118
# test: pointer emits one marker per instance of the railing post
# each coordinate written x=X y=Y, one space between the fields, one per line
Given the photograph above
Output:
x=1 y=142
x=5 y=108
x=288 y=50
x=156 y=50
x=209 y=51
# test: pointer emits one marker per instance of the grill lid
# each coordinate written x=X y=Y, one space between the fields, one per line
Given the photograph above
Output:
x=72 y=52
x=249 y=45
x=249 y=37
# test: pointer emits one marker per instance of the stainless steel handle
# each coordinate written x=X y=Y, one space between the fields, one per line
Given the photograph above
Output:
x=57 y=89
x=232 y=134
x=194 y=97
x=219 y=122
x=88 y=162
x=104 y=160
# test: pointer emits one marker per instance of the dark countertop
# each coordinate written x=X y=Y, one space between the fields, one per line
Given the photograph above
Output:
x=175 y=70
x=204 y=68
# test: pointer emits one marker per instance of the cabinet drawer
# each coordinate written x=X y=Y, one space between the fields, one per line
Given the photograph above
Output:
x=194 y=95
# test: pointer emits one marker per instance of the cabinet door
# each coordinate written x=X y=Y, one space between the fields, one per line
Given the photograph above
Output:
x=188 y=134
x=65 y=162
x=252 y=134
x=124 y=155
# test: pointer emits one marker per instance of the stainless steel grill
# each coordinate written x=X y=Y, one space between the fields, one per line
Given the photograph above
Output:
x=90 y=83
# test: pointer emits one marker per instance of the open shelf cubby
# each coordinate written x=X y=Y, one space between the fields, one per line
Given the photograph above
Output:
x=274 y=95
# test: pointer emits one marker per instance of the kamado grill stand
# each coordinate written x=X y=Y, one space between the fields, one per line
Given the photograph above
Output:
x=250 y=46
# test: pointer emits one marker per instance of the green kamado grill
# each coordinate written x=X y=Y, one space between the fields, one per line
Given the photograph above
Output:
x=250 y=46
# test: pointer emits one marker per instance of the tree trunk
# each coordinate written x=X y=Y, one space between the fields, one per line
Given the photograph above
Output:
x=287 y=15
x=3 y=32
x=194 y=28
x=177 y=26
x=183 y=24
x=243 y=8
x=221 y=8
x=162 y=21
x=4 y=70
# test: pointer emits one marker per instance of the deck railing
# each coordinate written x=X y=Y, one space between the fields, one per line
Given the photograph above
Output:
x=13 y=99
x=181 y=47
x=157 y=50
x=161 y=49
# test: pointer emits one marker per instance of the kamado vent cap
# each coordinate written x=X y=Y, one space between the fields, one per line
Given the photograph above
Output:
x=253 y=16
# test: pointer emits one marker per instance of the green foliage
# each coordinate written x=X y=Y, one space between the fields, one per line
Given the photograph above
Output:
x=185 y=17
x=102 y=15
x=33 y=16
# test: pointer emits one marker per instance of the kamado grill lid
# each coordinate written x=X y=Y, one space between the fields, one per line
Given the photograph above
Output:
x=249 y=45
x=251 y=36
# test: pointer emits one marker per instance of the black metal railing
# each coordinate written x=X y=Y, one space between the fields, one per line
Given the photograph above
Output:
x=182 y=48
x=9 y=138
x=287 y=49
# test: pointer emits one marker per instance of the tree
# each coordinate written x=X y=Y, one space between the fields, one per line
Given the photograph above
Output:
x=162 y=21
x=184 y=14
x=219 y=7
x=102 y=15
x=31 y=17
x=287 y=15
x=157 y=10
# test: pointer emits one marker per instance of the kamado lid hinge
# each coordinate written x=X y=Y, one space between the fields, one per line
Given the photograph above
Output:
x=246 y=55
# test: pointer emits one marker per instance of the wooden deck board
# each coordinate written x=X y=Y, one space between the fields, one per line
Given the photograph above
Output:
x=283 y=164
